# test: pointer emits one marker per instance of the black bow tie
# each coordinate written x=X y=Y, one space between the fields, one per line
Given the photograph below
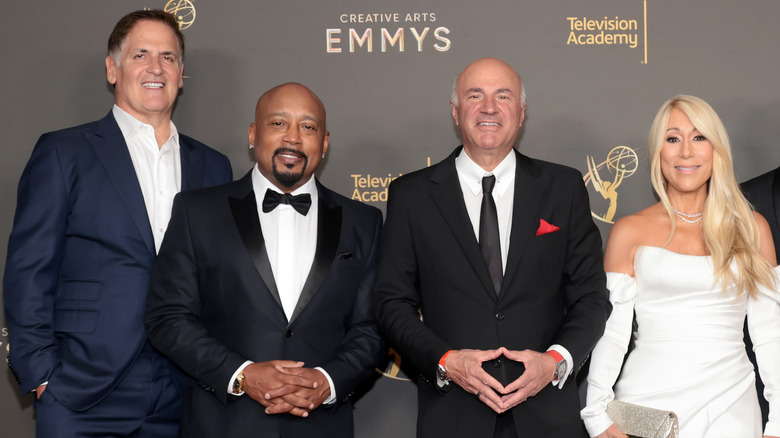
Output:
x=301 y=203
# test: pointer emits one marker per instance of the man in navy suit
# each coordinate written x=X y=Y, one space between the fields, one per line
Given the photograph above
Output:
x=263 y=288
x=93 y=204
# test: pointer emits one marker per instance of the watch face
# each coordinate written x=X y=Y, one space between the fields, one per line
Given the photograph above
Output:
x=441 y=373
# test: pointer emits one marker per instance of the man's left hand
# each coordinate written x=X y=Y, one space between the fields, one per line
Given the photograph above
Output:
x=539 y=372
x=302 y=397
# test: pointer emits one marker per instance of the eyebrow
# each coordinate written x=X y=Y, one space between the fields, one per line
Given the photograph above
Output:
x=480 y=90
x=286 y=114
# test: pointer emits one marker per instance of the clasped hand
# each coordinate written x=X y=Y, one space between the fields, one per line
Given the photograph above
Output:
x=464 y=367
x=286 y=387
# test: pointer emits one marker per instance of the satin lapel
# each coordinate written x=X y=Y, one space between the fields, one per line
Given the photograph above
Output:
x=525 y=220
x=328 y=234
x=191 y=165
x=110 y=148
x=776 y=199
x=448 y=198
x=248 y=224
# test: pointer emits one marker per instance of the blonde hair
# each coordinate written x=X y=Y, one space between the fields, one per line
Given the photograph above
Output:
x=730 y=230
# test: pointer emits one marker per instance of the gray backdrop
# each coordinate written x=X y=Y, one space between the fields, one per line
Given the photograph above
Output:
x=596 y=73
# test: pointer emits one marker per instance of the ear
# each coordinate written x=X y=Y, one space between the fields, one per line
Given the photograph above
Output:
x=110 y=70
x=325 y=142
x=181 y=76
x=522 y=114
x=252 y=133
x=454 y=112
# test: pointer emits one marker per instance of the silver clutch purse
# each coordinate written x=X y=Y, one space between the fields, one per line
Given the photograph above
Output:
x=643 y=422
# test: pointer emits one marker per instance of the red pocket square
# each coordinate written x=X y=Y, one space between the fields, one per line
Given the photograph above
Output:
x=545 y=227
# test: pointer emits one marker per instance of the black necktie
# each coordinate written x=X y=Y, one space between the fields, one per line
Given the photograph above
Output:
x=489 y=240
x=300 y=203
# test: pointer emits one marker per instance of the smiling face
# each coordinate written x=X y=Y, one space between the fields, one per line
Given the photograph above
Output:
x=686 y=156
x=489 y=110
x=289 y=135
x=149 y=72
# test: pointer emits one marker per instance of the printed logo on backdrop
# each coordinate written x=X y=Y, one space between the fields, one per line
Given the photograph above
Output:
x=604 y=29
x=4 y=345
x=607 y=176
x=387 y=32
x=183 y=10
x=372 y=187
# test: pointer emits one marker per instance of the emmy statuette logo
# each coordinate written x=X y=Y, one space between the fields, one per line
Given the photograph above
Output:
x=183 y=10
x=607 y=176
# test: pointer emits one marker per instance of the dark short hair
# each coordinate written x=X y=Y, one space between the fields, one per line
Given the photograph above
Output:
x=126 y=24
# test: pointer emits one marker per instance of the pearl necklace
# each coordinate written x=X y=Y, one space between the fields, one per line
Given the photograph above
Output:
x=688 y=218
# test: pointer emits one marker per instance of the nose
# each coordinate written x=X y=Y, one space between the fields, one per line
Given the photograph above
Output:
x=686 y=151
x=489 y=106
x=155 y=65
x=292 y=135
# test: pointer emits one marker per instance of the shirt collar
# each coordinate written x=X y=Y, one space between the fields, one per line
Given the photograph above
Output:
x=471 y=173
x=129 y=125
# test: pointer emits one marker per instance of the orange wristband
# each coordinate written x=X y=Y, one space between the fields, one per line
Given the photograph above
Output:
x=443 y=359
x=557 y=356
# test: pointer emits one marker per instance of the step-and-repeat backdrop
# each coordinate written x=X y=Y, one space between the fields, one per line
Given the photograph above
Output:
x=596 y=73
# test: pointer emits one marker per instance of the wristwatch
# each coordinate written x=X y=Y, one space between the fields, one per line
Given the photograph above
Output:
x=560 y=365
x=442 y=379
x=238 y=384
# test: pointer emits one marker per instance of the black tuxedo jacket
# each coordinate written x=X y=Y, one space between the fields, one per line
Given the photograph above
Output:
x=79 y=259
x=553 y=292
x=763 y=192
x=213 y=304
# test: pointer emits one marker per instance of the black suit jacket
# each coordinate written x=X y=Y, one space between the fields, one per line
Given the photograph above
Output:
x=213 y=304
x=763 y=192
x=79 y=259
x=553 y=292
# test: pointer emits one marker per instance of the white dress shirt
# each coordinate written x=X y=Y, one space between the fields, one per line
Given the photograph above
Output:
x=291 y=242
x=158 y=169
x=470 y=175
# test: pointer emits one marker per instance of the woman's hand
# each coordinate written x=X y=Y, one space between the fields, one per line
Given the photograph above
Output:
x=612 y=432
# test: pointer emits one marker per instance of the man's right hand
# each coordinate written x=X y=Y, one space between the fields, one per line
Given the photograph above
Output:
x=262 y=377
x=464 y=367
x=39 y=391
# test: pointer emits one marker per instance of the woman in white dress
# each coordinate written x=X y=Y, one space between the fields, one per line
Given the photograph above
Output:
x=691 y=267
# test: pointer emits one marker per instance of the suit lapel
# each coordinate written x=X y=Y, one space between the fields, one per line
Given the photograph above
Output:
x=110 y=147
x=244 y=211
x=525 y=222
x=775 y=199
x=328 y=234
x=448 y=198
x=192 y=166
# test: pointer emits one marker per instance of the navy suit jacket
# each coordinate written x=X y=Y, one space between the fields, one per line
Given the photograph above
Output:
x=79 y=259
x=553 y=292
x=213 y=304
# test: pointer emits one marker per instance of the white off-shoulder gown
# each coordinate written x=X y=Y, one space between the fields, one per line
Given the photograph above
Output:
x=689 y=355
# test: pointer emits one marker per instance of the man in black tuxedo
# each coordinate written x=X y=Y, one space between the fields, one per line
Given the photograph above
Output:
x=510 y=287
x=763 y=192
x=262 y=291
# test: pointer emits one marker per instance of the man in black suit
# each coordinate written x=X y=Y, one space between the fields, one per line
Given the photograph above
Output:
x=763 y=192
x=262 y=291
x=510 y=287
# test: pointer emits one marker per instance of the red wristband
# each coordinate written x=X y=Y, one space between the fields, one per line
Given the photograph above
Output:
x=444 y=358
x=557 y=356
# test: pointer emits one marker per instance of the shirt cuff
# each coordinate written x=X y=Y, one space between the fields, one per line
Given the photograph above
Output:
x=232 y=381
x=332 y=398
x=569 y=364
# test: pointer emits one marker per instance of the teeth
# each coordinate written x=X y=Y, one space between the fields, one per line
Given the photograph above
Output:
x=488 y=124
x=152 y=85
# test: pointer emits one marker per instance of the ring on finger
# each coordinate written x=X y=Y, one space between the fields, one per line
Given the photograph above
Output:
x=478 y=394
